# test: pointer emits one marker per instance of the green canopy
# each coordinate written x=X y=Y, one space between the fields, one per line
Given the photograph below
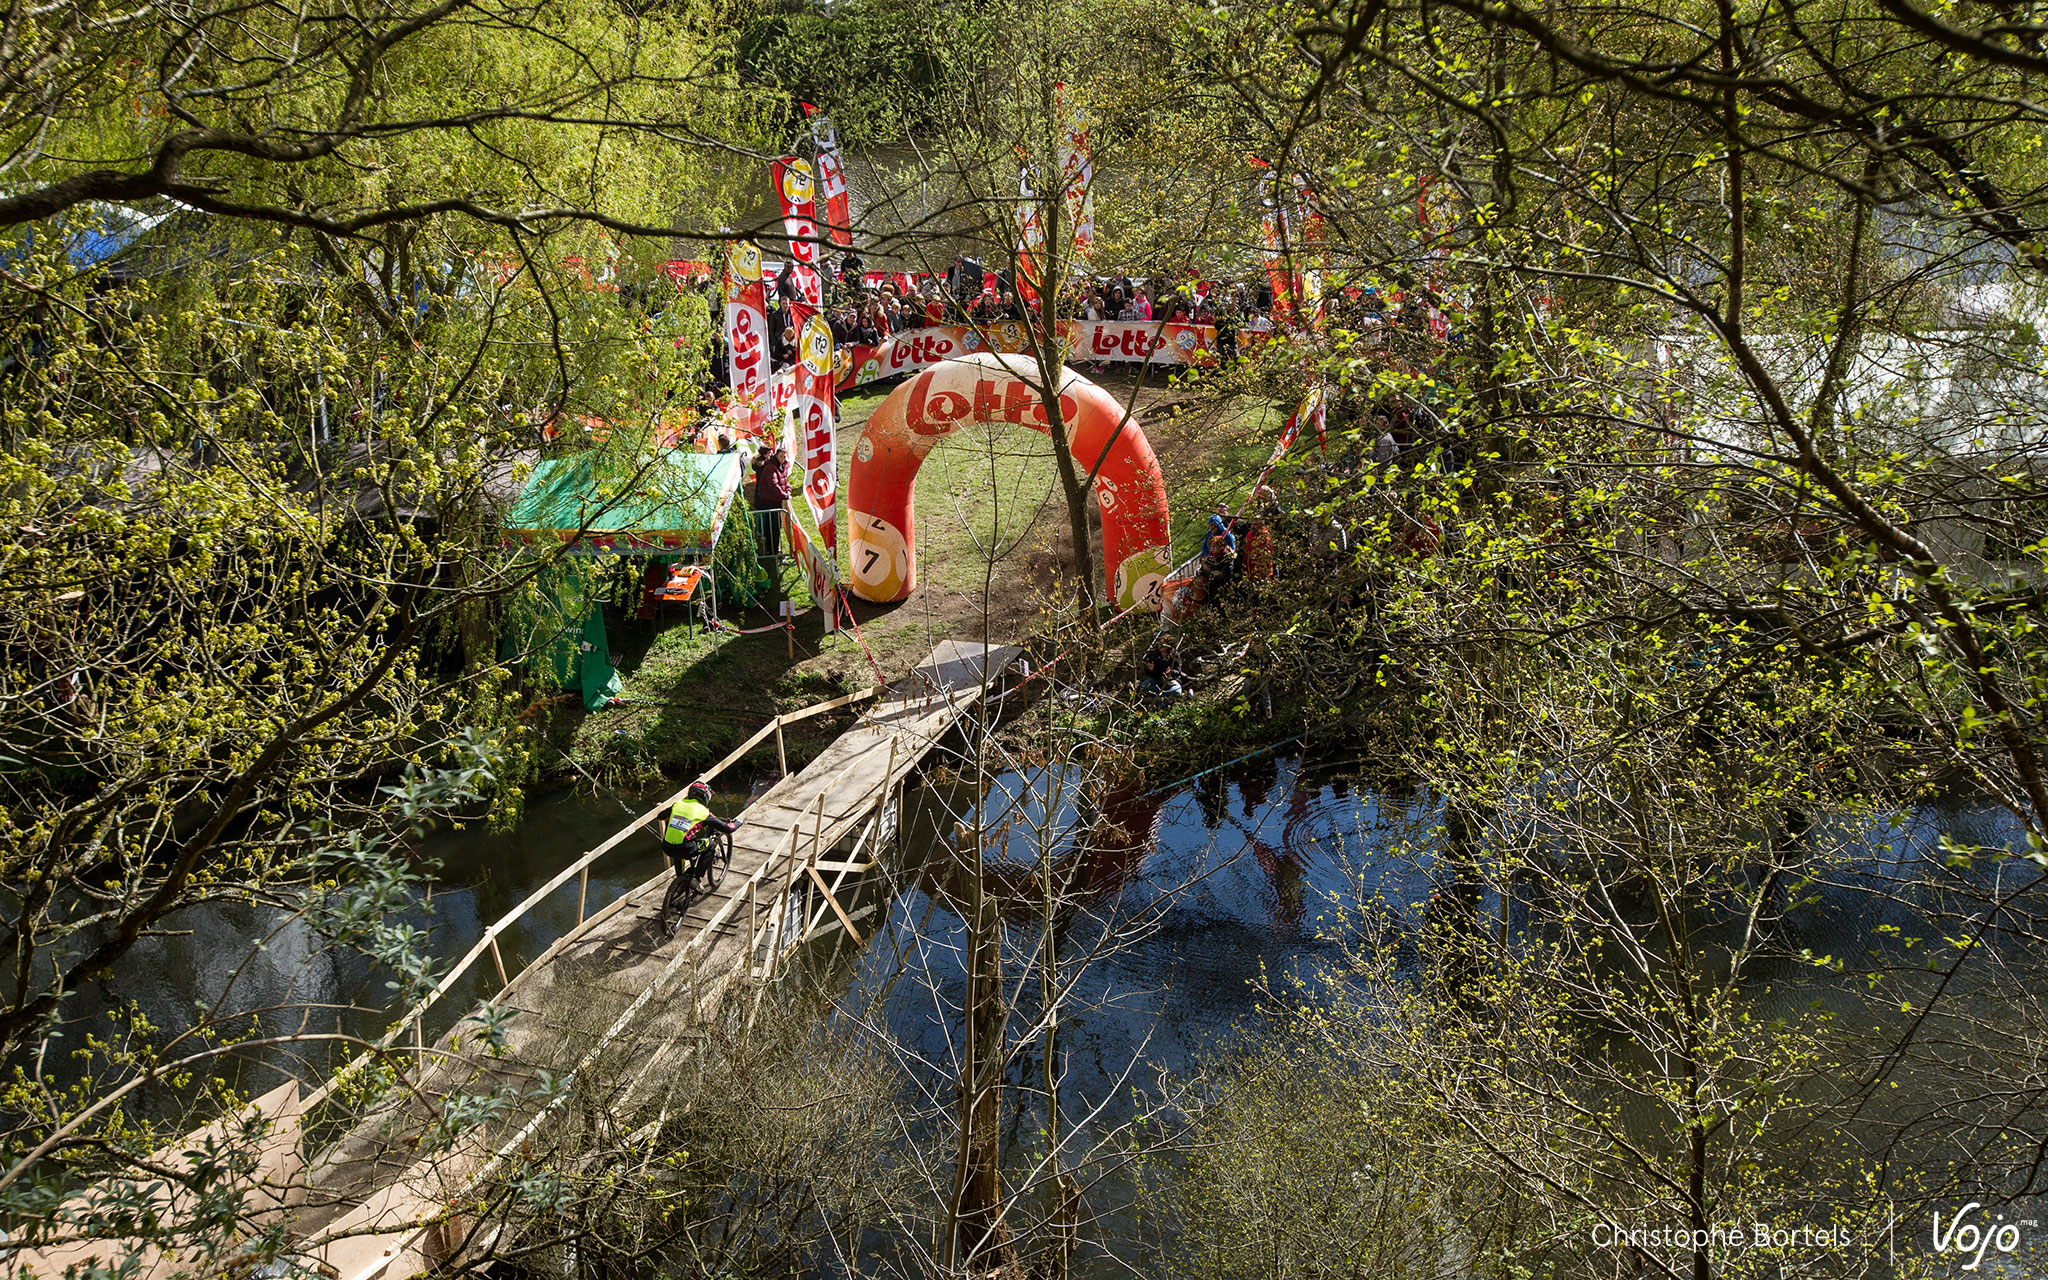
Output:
x=673 y=503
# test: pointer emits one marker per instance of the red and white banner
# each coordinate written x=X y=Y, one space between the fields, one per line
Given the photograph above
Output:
x=1308 y=414
x=746 y=323
x=832 y=182
x=906 y=282
x=1151 y=341
x=816 y=430
x=1077 y=175
x=1087 y=342
x=821 y=572
x=1273 y=230
x=1030 y=238
x=687 y=272
x=797 y=191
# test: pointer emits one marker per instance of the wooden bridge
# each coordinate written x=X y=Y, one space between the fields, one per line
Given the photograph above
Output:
x=603 y=1014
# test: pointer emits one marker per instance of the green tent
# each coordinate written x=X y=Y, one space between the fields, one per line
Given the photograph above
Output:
x=594 y=504
x=670 y=504
x=560 y=627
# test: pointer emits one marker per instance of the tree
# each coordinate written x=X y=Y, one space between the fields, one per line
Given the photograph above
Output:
x=296 y=298
x=1717 y=523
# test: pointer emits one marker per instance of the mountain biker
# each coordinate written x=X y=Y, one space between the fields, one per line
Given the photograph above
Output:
x=688 y=832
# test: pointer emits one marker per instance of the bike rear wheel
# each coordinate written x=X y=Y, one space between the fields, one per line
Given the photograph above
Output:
x=674 y=903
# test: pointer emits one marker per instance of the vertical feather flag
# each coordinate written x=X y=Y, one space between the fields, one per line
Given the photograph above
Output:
x=1272 y=227
x=832 y=181
x=821 y=572
x=746 y=322
x=797 y=190
x=1077 y=173
x=1030 y=240
x=816 y=428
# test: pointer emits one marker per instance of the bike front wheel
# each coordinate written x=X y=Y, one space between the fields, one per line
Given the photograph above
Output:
x=716 y=863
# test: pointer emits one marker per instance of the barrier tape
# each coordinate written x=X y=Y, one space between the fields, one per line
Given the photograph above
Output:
x=839 y=597
x=785 y=625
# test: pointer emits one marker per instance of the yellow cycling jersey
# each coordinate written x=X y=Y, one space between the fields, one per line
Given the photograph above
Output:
x=683 y=818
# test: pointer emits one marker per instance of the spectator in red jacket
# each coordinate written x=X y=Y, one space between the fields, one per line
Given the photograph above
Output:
x=771 y=492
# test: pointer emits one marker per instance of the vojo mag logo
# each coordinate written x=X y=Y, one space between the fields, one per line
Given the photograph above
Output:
x=1971 y=1232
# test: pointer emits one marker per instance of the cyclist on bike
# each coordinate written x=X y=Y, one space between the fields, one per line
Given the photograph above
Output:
x=688 y=834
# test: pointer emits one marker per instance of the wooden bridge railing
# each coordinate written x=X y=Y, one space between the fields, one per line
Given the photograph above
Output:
x=580 y=869
x=767 y=949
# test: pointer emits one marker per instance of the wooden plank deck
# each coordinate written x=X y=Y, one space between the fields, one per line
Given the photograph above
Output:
x=614 y=1002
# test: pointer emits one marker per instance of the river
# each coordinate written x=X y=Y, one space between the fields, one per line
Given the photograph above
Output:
x=1234 y=881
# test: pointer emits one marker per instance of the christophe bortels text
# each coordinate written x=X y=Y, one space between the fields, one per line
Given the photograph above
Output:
x=1756 y=1236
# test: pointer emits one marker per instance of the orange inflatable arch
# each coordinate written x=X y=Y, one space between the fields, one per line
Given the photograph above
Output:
x=987 y=387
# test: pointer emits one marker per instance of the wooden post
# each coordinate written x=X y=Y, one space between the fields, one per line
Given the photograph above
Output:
x=582 y=893
x=498 y=958
x=781 y=755
x=753 y=928
x=788 y=886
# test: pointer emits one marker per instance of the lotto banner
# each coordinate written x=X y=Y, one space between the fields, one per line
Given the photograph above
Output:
x=821 y=572
x=816 y=430
x=746 y=323
x=832 y=182
x=1087 y=341
x=798 y=193
x=1114 y=341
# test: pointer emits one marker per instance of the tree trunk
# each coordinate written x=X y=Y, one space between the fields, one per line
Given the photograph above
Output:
x=978 y=1202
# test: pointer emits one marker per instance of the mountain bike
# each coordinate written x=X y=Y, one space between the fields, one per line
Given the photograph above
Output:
x=705 y=872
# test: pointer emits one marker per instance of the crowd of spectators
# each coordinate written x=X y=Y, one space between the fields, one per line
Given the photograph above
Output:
x=867 y=314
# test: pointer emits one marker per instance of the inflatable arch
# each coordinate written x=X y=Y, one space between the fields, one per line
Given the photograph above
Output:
x=986 y=388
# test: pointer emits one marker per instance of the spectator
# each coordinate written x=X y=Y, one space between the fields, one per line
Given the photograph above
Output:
x=1159 y=674
x=1385 y=449
x=771 y=491
x=1226 y=331
x=1219 y=564
x=1142 y=304
x=1222 y=524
